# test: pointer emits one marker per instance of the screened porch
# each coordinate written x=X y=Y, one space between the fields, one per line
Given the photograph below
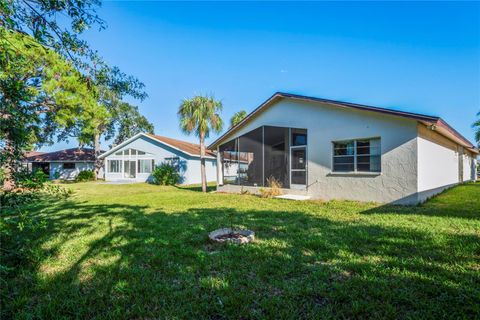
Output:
x=263 y=154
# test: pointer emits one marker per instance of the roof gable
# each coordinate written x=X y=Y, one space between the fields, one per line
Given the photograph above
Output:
x=433 y=122
x=188 y=148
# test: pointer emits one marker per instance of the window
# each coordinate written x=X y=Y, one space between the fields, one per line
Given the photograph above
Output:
x=113 y=166
x=145 y=165
x=361 y=155
x=69 y=165
x=299 y=137
x=130 y=152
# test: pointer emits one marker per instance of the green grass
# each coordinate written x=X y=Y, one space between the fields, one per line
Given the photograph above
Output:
x=141 y=251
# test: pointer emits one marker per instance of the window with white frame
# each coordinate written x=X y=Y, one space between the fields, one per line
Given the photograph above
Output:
x=359 y=155
x=114 y=166
x=145 y=165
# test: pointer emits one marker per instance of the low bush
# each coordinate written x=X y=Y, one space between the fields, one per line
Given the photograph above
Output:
x=87 y=175
x=165 y=174
x=274 y=188
x=31 y=180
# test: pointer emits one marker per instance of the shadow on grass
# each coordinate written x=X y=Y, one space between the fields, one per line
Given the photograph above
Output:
x=125 y=261
x=462 y=201
x=197 y=188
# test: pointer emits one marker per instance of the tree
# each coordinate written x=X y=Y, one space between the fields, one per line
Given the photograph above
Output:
x=476 y=127
x=108 y=84
x=39 y=19
x=237 y=117
x=200 y=115
x=40 y=93
x=118 y=120
x=129 y=122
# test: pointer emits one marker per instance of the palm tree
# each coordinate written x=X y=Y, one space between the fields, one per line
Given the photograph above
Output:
x=199 y=115
x=476 y=126
x=237 y=117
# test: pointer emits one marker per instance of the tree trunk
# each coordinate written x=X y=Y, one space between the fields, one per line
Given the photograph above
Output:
x=9 y=181
x=98 y=162
x=202 y=161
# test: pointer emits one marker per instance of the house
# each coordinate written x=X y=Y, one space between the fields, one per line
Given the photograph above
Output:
x=135 y=158
x=327 y=149
x=62 y=164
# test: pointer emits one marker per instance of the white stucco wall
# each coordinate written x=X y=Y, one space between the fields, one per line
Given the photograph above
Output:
x=325 y=124
x=437 y=165
x=69 y=174
x=193 y=175
x=190 y=166
x=441 y=163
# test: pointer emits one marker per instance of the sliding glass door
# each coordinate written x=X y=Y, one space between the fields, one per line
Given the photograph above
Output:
x=129 y=169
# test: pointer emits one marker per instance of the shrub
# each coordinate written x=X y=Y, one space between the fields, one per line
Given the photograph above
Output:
x=274 y=188
x=87 y=175
x=31 y=180
x=2 y=175
x=165 y=174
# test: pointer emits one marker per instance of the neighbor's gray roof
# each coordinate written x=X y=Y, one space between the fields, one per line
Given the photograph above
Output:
x=67 y=155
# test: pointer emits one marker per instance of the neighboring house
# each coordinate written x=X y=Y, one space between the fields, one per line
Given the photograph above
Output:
x=135 y=158
x=336 y=150
x=63 y=164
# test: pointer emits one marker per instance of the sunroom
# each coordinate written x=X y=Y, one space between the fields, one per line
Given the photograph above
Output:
x=130 y=164
x=265 y=154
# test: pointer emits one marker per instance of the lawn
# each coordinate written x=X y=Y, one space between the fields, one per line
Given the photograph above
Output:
x=141 y=251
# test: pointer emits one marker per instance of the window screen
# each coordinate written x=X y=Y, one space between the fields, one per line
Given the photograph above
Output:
x=230 y=161
x=276 y=154
x=250 y=155
x=362 y=155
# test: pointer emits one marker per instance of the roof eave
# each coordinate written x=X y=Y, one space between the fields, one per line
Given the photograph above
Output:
x=447 y=130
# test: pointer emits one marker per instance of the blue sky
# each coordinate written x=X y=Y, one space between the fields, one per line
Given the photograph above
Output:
x=419 y=57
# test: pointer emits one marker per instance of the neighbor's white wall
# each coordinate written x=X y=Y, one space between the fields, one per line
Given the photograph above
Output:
x=69 y=174
x=192 y=175
x=398 y=180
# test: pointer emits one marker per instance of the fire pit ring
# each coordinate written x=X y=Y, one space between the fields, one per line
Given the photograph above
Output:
x=231 y=235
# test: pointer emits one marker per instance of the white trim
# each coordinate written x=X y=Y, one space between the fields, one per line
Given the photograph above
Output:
x=138 y=135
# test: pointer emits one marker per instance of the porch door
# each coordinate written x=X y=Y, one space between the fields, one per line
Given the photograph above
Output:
x=298 y=167
x=129 y=169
